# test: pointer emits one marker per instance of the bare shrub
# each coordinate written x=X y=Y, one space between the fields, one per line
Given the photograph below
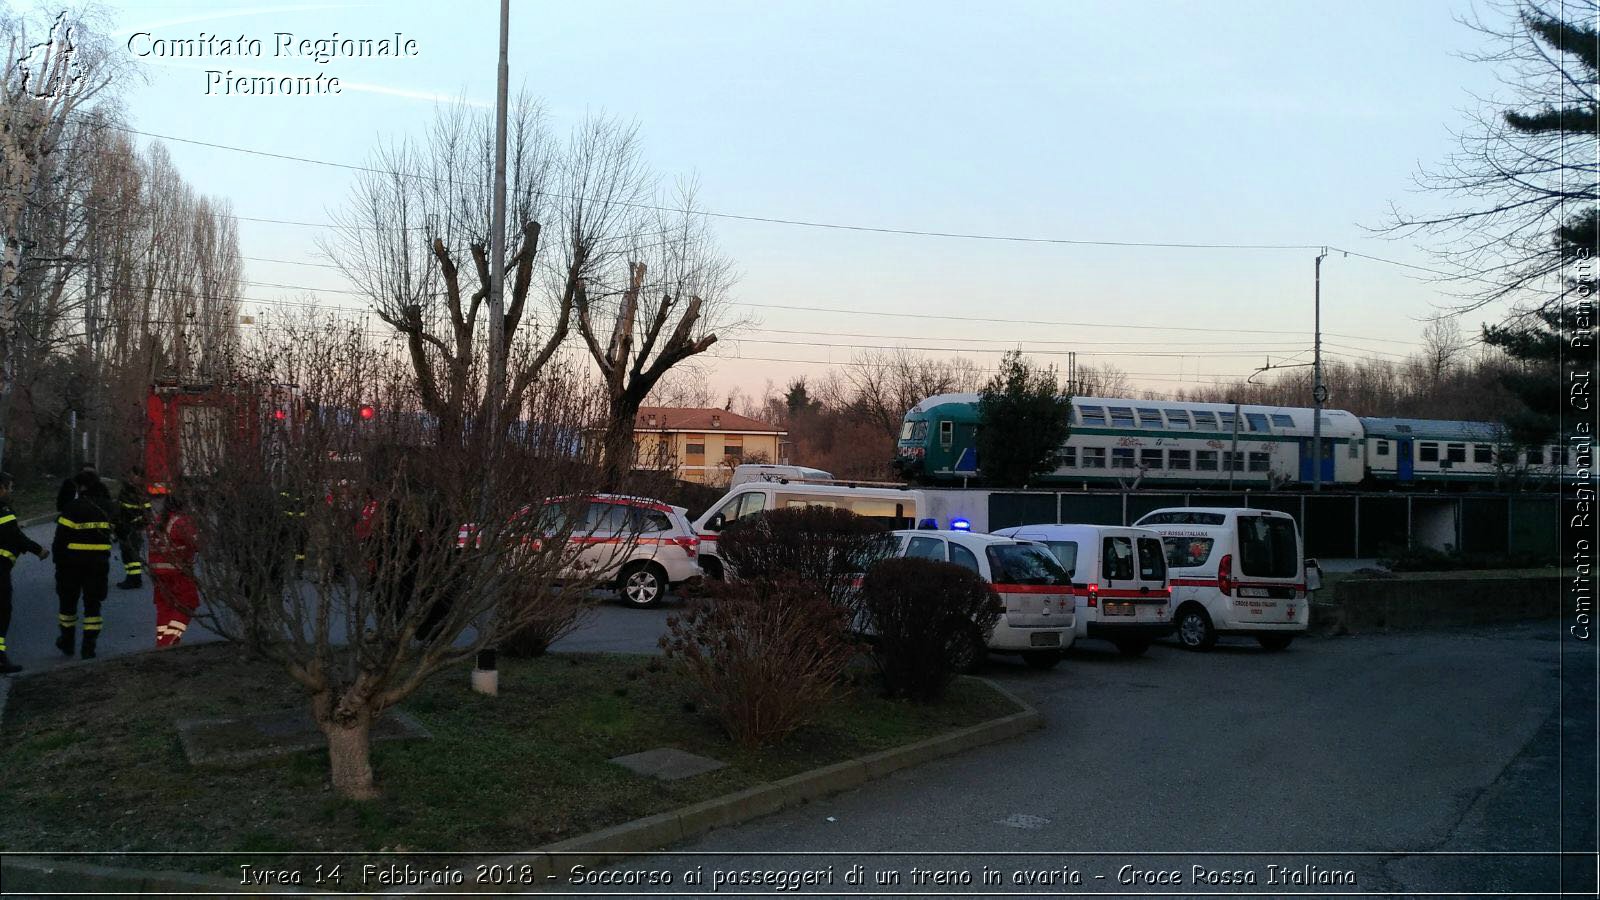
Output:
x=766 y=658
x=927 y=619
x=819 y=545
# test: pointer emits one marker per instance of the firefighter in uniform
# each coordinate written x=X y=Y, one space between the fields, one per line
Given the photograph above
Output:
x=293 y=506
x=173 y=544
x=133 y=514
x=13 y=543
x=82 y=548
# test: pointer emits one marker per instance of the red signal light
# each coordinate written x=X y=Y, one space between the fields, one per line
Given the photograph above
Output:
x=279 y=415
x=366 y=412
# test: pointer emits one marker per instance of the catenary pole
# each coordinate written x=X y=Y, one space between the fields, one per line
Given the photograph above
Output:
x=1319 y=391
x=497 y=237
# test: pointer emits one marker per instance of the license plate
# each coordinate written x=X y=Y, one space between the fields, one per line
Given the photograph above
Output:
x=1119 y=609
x=1045 y=639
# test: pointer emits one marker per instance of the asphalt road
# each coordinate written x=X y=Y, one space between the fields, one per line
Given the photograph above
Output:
x=1401 y=758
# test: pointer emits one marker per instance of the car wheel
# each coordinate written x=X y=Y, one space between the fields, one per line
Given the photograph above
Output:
x=1274 y=642
x=1041 y=659
x=1195 y=631
x=1132 y=648
x=643 y=585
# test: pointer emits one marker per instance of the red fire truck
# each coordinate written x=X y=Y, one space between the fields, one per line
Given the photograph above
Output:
x=188 y=424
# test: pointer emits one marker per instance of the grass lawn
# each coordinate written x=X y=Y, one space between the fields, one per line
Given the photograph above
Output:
x=93 y=761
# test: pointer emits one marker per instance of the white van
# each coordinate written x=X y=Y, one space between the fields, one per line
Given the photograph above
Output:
x=748 y=472
x=1119 y=578
x=1040 y=613
x=1235 y=571
x=895 y=507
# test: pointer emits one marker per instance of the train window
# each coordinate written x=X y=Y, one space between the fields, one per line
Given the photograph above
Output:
x=1177 y=459
x=1232 y=460
x=1093 y=415
x=1428 y=451
x=916 y=431
x=1177 y=418
x=1067 y=457
x=947 y=434
x=906 y=429
x=1558 y=456
x=1206 y=421
x=1258 y=421
x=1383 y=448
x=1455 y=452
x=1121 y=457
x=1482 y=453
x=1355 y=449
x=1205 y=460
x=1260 y=462
x=1282 y=421
x=1226 y=418
x=1121 y=416
x=1151 y=459
x=1535 y=456
x=1094 y=457
x=1149 y=418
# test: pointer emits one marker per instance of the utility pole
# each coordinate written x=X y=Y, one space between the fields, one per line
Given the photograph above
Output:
x=1233 y=455
x=1319 y=391
x=497 y=240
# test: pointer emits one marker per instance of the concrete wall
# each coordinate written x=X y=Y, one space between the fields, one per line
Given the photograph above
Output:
x=1442 y=600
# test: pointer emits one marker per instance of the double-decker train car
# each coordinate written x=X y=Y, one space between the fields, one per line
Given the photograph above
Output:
x=1165 y=444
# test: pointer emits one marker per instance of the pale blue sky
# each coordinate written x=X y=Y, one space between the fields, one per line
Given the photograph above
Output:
x=1271 y=123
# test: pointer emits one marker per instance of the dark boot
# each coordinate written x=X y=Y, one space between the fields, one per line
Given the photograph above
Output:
x=65 y=642
x=6 y=666
x=89 y=640
x=131 y=583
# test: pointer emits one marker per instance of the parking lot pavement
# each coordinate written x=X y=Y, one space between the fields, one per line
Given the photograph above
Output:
x=1389 y=745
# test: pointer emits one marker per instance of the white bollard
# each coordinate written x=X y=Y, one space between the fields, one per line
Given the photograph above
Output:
x=485 y=677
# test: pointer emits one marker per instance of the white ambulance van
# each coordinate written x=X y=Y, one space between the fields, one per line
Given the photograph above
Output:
x=895 y=507
x=1235 y=571
x=1119 y=580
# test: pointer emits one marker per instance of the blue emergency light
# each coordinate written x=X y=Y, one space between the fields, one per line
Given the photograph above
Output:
x=960 y=525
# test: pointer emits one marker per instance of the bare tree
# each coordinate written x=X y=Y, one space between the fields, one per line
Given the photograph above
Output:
x=1526 y=172
x=675 y=294
x=415 y=237
x=883 y=386
x=1442 y=345
x=412 y=562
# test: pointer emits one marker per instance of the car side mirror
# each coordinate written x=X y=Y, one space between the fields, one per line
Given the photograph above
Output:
x=1313 y=575
x=716 y=522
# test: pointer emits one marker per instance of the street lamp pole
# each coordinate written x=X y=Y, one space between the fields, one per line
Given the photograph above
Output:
x=1319 y=391
x=497 y=239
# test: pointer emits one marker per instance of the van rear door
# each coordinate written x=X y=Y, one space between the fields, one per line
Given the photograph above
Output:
x=1032 y=585
x=1269 y=589
x=1133 y=577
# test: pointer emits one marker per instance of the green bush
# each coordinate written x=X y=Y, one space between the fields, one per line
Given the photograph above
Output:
x=766 y=657
x=927 y=619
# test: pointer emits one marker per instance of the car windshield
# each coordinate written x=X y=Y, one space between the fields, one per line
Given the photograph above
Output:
x=1024 y=564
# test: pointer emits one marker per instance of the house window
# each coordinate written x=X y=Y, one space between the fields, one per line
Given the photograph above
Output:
x=1260 y=462
x=1178 y=459
x=1151 y=459
x=733 y=447
x=1482 y=453
x=1205 y=460
x=1094 y=457
x=1427 y=451
x=1455 y=452
x=1121 y=416
x=1067 y=457
x=695 y=447
x=1383 y=448
x=1121 y=457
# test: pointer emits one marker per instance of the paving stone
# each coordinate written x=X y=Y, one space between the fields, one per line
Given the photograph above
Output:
x=227 y=743
x=668 y=763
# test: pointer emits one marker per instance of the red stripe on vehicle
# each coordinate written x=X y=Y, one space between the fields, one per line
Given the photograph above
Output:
x=1124 y=593
x=1194 y=582
x=1033 y=588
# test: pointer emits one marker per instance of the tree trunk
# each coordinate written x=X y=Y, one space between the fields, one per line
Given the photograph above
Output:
x=350 y=755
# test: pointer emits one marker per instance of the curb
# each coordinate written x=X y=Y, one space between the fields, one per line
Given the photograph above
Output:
x=543 y=867
x=42 y=876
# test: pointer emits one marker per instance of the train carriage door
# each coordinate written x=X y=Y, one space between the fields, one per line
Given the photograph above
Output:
x=1307 y=451
x=1306 y=445
x=1403 y=457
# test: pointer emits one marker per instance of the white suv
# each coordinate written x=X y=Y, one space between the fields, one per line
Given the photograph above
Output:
x=1036 y=590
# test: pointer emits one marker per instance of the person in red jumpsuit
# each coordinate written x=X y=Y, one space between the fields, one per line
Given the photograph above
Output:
x=173 y=545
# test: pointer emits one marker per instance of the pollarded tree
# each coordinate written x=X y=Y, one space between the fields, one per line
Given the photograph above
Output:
x=1022 y=422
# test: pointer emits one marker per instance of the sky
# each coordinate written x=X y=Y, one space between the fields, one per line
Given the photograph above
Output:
x=1166 y=122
